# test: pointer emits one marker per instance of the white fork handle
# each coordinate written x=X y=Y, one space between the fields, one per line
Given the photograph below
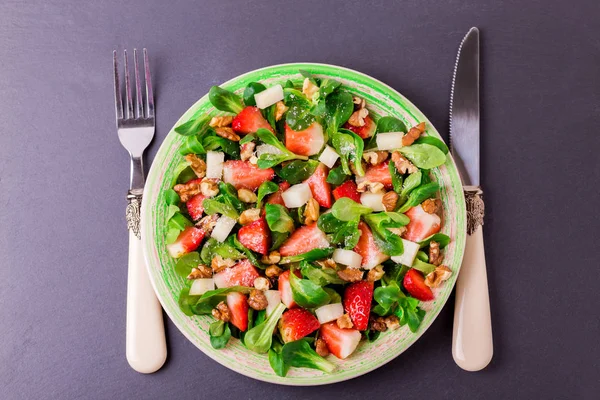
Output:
x=146 y=347
x=472 y=345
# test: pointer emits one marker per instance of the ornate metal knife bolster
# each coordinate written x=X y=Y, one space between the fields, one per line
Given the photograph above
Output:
x=475 y=208
x=132 y=212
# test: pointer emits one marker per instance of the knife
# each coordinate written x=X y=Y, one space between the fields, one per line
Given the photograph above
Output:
x=472 y=344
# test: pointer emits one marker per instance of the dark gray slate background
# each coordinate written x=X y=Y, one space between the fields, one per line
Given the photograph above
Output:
x=63 y=179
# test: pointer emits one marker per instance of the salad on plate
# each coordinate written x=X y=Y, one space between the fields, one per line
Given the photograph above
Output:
x=303 y=224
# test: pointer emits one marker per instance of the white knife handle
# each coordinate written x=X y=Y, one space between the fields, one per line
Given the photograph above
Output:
x=146 y=346
x=472 y=345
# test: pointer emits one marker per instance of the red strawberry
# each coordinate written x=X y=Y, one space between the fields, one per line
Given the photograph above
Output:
x=238 y=308
x=422 y=224
x=241 y=274
x=365 y=131
x=249 y=120
x=187 y=241
x=307 y=142
x=244 y=174
x=195 y=207
x=256 y=236
x=368 y=249
x=320 y=188
x=297 y=323
x=347 y=189
x=357 y=303
x=304 y=239
x=285 y=291
x=276 y=197
x=377 y=173
x=340 y=342
x=414 y=283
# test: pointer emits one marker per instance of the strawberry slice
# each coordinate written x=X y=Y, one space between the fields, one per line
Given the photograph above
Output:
x=195 y=207
x=414 y=283
x=187 y=241
x=422 y=224
x=249 y=120
x=307 y=142
x=238 y=308
x=340 y=342
x=241 y=274
x=347 y=189
x=365 y=131
x=377 y=173
x=320 y=188
x=276 y=197
x=244 y=174
x=256 y=236
x=357 y=303
x=285 y=290
x=304 y=239
x=297 y=323
x=368 y=249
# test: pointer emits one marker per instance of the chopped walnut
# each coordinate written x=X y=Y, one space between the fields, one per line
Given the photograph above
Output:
x=247 y=196
x=221 y=312
x=375 y=274
x=280 y=109
x=431 y=206
x=403 y=165
x=219 y=263
x=227 y=133
x=271 y=258
x=390 y=200
x=397 y=231
x=359 y=102
x=378 y=324
x=209 y=187
x=344 y=322
x=435 y=278
x=253 y=159
x=220 y=121
x=197 y=164
x=311 y=212
x=321 y=348
x=273 y=271
x=207 y=223
x=392 y=322
x=435 y=255
x=413 y=134
x=309 y=89
x=247 y=150
x=250 y=215
x=187 y=190
x=199 y=272
x=371 y=187
x=327 y=263
x=257 y=300
x=261 y=283
x=358 y=117
x=350 y=274
x=375 y=157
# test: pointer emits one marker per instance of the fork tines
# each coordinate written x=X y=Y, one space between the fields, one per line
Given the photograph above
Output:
x=143 y=109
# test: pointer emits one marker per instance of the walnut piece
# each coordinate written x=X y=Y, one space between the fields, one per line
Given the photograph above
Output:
x=413 y=134
x=350 y=274
x=227 y=133
x=309 y=89
x=435 y=278
x=197 y=164
x=220 y=121
x=327 y=263
x=321 y=348
x=403 y=165
x=378 y=324
x=253 y=159
x=371 y=187
x=187 y=190
x=207 y=223
x=358 y=117
x=375 y=274
x=375 y=157
x=219 y=263
x=311 y=212
x=359 y=102
x=247 y=150
x=221 y=312
x=273 y=271
x=431 y=206
x=257 y=300
x=435 y=255
x=250 y=215
x=392 y=322
x=209 y=187
x=261 y=283
x=272 y=258
x=280 y=109
x=199 y=272
x=344 y=322
x=247 y=196
x=390 y=200
x=397 y=231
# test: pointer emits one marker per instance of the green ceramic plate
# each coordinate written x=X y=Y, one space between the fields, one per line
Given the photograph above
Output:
x=381 y=100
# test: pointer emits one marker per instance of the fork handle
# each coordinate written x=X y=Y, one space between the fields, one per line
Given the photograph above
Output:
x=146 y=346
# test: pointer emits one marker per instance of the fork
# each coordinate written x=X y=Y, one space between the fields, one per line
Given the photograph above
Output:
x=146 y=347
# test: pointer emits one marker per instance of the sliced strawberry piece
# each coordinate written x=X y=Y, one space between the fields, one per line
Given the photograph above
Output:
x=195 y=207
x=249 y=120
x=340 y=342
x=241 y=274
x=188 y=240
x=307 y=142
x=238 y=308
x=377 y=173
x=347 y=189
x=320 y=188
x=297 y=323
x=414 y=283
x=244 y=174
x=276 y=197
x=285 y=290
x=357 y=303
x=421 y=225
x=304 y=239
x=256 y=236
x=365 y=131
x=368 y=249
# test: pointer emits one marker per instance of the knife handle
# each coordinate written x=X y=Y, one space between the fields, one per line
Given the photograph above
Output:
x=472 y=345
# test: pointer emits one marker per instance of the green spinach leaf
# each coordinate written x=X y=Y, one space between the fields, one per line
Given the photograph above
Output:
x=434 y=142
x=419 y=195
x=276 y=360
x=225 y=100
x=299 y=354
x=313 y=255
x=219 y=334
x=337 y=176
x=278 y=218
x=442 y=239
x=338 y=109
x=184 y=265
x=298 y=171
x=195 y=126
x=424 y=156
x=259 y=338
x=346 y=209
x=265 y=188
x=320 y=276
x=218 y=205
x=250 y=91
